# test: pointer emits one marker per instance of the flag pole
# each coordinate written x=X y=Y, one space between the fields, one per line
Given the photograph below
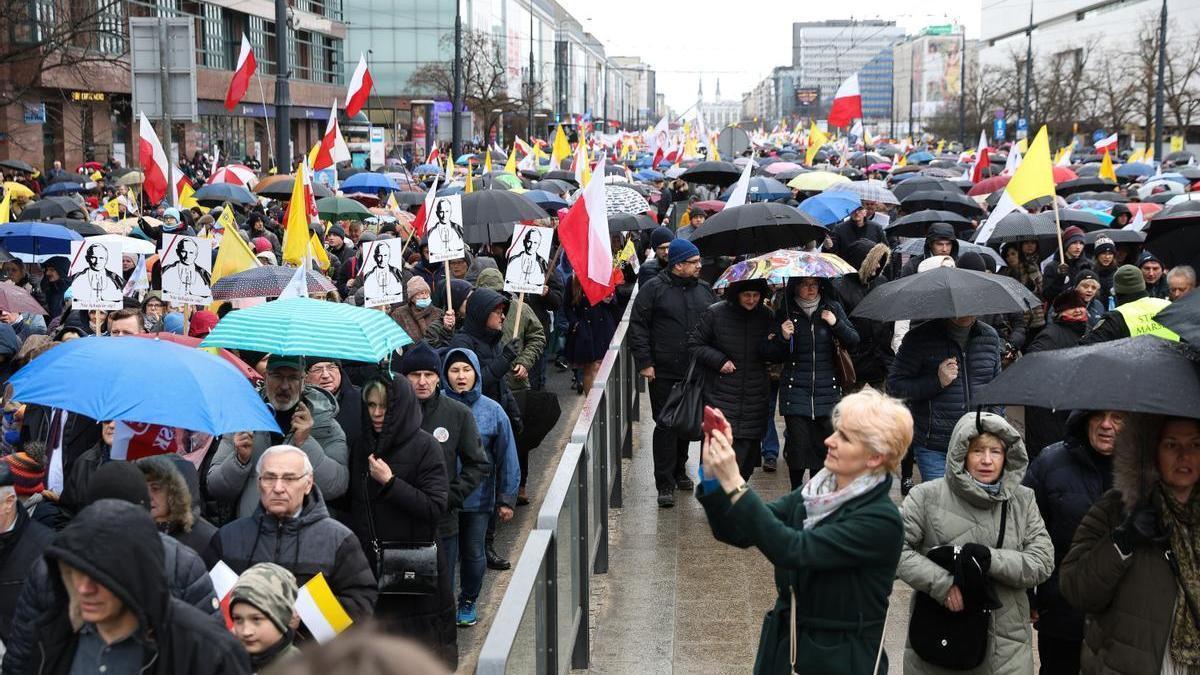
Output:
x=266 y=121
x=449 y=298
x=517 y=321
x=1062 y=257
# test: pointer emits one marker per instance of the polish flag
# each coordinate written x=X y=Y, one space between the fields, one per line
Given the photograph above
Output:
x=423 y=212
x=360 y=87
x=583 y=232
x=333 y=147
x=1109 y=144
x=981 y=159
x=246 y=65
x=847 y=103
x=434 y=157
x=153 y=161
x=223 y=580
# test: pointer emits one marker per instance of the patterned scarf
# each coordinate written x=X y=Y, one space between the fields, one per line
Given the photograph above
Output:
x=822 y=498
x=1184 y=519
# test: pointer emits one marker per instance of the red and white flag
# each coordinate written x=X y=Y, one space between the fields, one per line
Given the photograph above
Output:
x=223 y=580
x=847 y=103
x=153 y=161
x=181 y=181
x=583 y=232
x=246 y=65
x=423 y=212
x=981 y=159
x=434 y=157
x=360 y=87
x=333 y=147
x=1109 y=144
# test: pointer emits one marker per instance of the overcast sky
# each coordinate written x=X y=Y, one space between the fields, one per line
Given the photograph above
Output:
x=739 y=41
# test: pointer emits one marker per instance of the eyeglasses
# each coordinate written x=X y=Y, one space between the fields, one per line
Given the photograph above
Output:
x=270 y=479
x=327 y=369
x=695 y=261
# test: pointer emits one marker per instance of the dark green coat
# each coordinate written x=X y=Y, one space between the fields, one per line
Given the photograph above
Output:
x=841 y=570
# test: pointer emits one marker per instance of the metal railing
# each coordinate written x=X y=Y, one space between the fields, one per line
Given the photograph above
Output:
x=542 y=625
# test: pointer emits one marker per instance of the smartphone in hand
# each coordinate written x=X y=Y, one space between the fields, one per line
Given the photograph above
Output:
x=713 y=420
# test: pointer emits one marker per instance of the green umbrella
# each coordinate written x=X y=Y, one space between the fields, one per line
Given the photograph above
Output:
x=306 y=327
x=341 y=208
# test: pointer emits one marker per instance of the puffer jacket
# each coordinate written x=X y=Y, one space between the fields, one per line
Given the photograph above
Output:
x=955 y=510
x=20 y=548
x=666 y=309
x=727 y=332
x=808 y=386
x=1129 y=603
x=913 y=377
x=530 y=332
x=496 y=435
x=1068 y=478
x=497 y=351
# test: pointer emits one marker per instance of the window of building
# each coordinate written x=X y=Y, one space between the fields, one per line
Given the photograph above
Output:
x=215 y=37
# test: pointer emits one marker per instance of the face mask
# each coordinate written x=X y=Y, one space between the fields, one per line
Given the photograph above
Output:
x=423 y=303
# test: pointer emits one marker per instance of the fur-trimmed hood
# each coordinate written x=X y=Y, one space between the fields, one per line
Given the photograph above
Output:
x=161 y=469
x=1135 y=458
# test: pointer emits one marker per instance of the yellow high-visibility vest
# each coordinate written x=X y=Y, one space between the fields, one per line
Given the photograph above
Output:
x=1139 y=317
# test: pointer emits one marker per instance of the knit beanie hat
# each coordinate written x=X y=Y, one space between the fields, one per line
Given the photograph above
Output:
x=1084 y=274
x=1146 y=257
x=269 y=588
x=973 y=261
x=1071 y=235
x=416 y=285
x=261 y=244
x=1128 y=281
x=660 y=235
x=681 y=250
x=420 y=357
x=1068 y=300
x=458 y=356
x=1105 y=245
x=27 y=475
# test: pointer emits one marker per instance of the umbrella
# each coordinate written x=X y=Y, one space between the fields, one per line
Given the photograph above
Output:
x=712 y=173
x=630 y=222
x=187 y=341
x=17 y=190
x=341 y=208
x=1062 y=174
x=489 y=215
x=1159 y=186
x=549 y=201
x=916 y=224
x=565 y=176
x=785 y=264
x=916 y=246
x=409 y=198
x=17 y=300
x=648 y=175
x=1134 y=170
x=1083 y=185
x=429 y=170
x=946 y=292
x=1183 y=317
x=235 y=174
x=466 y=159
x=1118 y=236
x=1179 y=157
x=267 y=281
x=709 y=205
x=17 y=165
x=816 y=181
x=215 y=194
x=280 y=187
x=674 y=172
x=307 y=327
x=369 y=182
x=753 y=228
x=1019 y=226
x=828 y=208
x=61 y=189
x=868 y=191
x=788 y=174
x=53 y=207
x=5 y=256
x=193 y=389
x=925 y=184
x=763 y=189
x=83 y=227
x=1173 y=234
x=988 y=185
x=1143 y=374
x=944 y=201
x=776 y=168
x=1081 y=218
x=131 y=178
x=35 y=242
x=555 y=185
x=126 y=244
x=920 y=157
x=624 y=199
x=1179 y=199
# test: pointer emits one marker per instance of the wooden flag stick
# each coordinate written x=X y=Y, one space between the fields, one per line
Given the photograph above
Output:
x=449 y=299
x=1062 y=257
x=517 y=321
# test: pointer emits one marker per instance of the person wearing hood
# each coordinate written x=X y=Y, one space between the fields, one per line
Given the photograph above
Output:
x=1068 y=477
x=498 y=352
x=171 y=502
x=1057 y=273
x=858 y=227
x=291 y=527
x=73 y=495
x=981 y=509
x=1154 y=275
x=873 y=354
x=261 y=605
x=400 y=492
x=22 y=542
x=940 y=239
x=417 y=313
x=1132 y=568
x=328 y=375
x=1134 y=313
x=730 y=340
x=665 y=311
x=660 y=242
x=496 y=496
x=530 y=334
x=110 y=610
x=439 y=334
x=308 y=417
x=54 y=284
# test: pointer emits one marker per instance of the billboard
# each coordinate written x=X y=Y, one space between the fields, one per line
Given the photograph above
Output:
x=938 y=68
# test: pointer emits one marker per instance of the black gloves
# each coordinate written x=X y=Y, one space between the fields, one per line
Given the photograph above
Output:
x=511 y=350
x=982 y=555
x=1140 y=527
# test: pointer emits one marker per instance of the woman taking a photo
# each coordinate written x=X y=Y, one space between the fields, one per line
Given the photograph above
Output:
x=980 y=494
x=835 y=543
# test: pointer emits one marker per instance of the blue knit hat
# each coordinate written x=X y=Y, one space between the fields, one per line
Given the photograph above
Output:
x=660 y=236
x=681 y=250
x=420 y=357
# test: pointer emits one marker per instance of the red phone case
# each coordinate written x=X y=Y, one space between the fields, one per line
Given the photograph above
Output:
x=712 y=421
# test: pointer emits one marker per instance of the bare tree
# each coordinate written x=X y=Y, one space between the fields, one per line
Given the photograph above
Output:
x=1181 y=86
x=1114 y=89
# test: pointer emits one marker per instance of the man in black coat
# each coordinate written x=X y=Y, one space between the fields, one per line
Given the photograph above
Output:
x=22 y=541
x=858 y=226
x=940 y=239
x=1067 y=479
x=1068 y=323
x=665 y=311
x=660 y=241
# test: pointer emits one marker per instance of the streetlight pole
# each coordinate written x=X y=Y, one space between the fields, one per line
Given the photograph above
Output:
x=1028 y=66
x=962 y=93
x=456 y=114
x=1158 y=87
x=283 y=94
x=529 y=130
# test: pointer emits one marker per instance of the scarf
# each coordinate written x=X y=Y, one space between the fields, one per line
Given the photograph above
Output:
x=992 y=489
x=822 y=498
x=1182 y=521
x=809 y=306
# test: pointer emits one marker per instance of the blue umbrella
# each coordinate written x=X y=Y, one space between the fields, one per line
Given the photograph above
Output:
x=428 y=169
x=547 y=200
x=920 y=157
x=36 y=242
x=641 y=163
x=450 y=190
x=831 y=207
x=1134 y=170
x=463 y=160
x=215 y=194
x=1174 y=177
x=193 y=389
x=763 y=189
x=648 y=175
x=61 y=189
x=371 y=182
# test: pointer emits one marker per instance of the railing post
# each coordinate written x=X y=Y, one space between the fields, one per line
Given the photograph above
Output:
x=552 y=591
x=580 y=655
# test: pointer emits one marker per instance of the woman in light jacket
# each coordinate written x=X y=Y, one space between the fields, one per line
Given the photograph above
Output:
x=985 y=463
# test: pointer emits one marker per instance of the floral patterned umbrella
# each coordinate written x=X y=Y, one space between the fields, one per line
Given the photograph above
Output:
x=783 y=264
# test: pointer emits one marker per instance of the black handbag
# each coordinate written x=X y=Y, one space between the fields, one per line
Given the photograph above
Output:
x=683 y=411
x=952 y=640
x=401 y=568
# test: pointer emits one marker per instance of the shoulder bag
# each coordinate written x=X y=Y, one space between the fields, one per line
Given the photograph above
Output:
x=401 y=568
x=683 y=411
x=843 y=366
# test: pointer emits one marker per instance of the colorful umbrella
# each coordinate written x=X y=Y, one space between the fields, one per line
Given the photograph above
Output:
x=785 y=264
x=267 y=281
x=17 y=300
x=235 y=174
x=816 y=181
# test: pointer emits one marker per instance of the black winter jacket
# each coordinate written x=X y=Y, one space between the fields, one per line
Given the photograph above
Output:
x=727 y=332
x=1044 y=426
x=664 y=313
x=496 y=356
x=935 y=231
x=808 y=386
x=846 y=233
x=872 y=355
x=20 y=548
x=462 y=452
x=914 y=378
x=1054 y=282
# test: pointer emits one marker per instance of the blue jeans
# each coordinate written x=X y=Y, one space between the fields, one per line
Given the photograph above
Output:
x=931 y=463
x=770 y=439
x=472 y=531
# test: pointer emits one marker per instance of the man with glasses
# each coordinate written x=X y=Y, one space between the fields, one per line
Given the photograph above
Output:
x=307 y=415
x=327 y=374
x=291 y=527
x=660 y=241
x=665 y=311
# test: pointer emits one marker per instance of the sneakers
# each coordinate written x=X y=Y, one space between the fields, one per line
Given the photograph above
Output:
x=467 y=616
x=770 y=464
x=683 y=483
x=906 y=486
x=666 y=498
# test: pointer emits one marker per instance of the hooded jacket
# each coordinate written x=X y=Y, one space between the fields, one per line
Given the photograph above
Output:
x=305 y=545
x=230 y=480
x=808 y=386
x=955 y=510
x=54 y=291
x=184 y=522
x=462 y=452
x=497 y=353
x=414 y=321
x=936 y=231
x=530 y=332
x=115 y=543
x=436 y=334
x=665 y=311
x=496 y=435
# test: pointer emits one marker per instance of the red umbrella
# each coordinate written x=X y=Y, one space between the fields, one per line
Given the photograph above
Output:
x=1062 y=173
x=17 y=300
x=988 y=185
x=1147 y=208
x=90 y=166
x=250 y=373
x=711 y=205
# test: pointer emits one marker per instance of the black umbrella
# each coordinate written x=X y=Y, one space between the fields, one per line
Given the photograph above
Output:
x=1143 y=374
x=5 y=256
x=915 y=224
x=558 y=187
x=1189 y=172
x=630 y=222
x=756 y=228
x=1033 y=204
x=17 y=165
x=1161 y=197
x=924 y=184
x=67 y=178
x=1118 y=236
x=565 y=176
x=215 y=194
x=409 y=198
x=1018 y=226
x=1109 y=196
x=946 y=292
x=1085 y=184
x=1084 y=220
x=1183 y=317
x=1088 y=170
x=489 y=215
x=712 y=173
x=282 y=189
x=1174 y=234
x=943 y=201
x=81 y=226
x=1180 y=157
x=53 y=207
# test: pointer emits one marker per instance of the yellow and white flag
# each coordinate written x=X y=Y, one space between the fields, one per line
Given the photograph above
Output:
x=320 y=610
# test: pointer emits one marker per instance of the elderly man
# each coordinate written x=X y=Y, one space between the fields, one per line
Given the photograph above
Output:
x=307 y=415
x=291 y=527
x=1180 y=281
x=327 y=374
x=22 y=542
